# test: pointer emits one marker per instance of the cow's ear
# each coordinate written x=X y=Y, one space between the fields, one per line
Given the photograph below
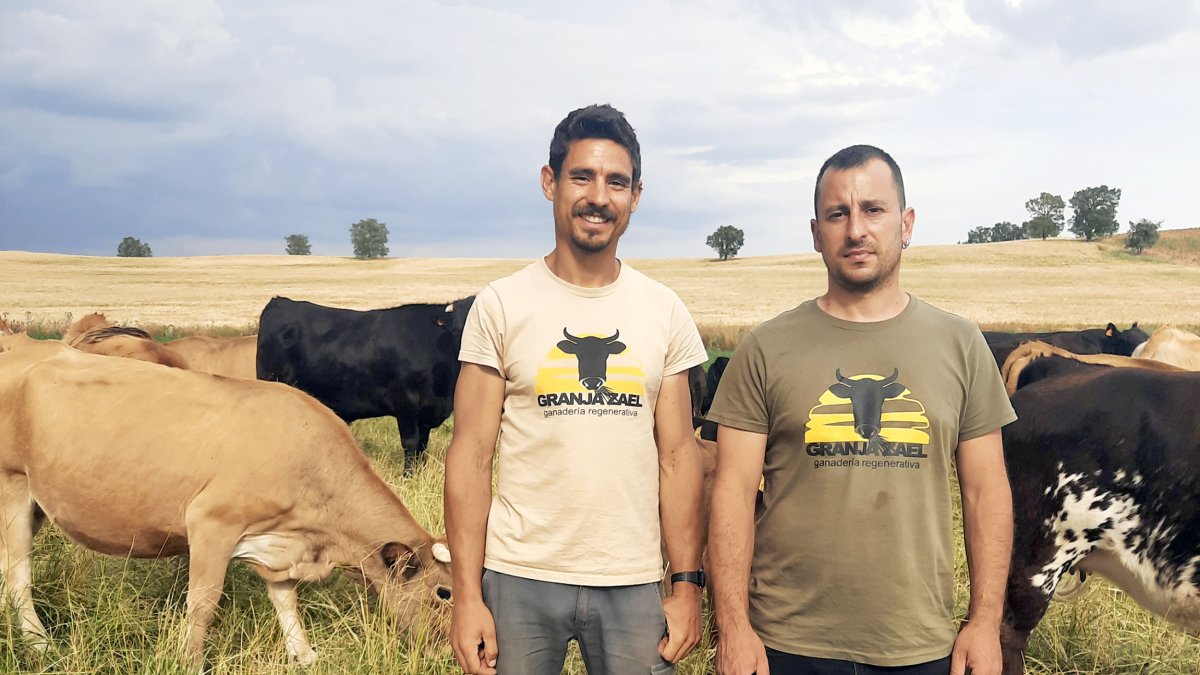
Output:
x=399 y=559
x=1112 y=328
x=893 y=390
x=566 y=346
x=616 y=347
x=840 y=390
x=1133 y=326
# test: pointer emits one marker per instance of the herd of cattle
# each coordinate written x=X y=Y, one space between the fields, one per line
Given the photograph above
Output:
x=1104 y=460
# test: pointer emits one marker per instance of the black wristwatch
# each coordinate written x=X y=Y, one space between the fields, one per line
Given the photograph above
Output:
x=695 y=577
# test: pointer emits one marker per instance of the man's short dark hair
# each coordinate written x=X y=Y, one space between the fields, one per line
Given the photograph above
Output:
x=595 y=121
x=854 y=157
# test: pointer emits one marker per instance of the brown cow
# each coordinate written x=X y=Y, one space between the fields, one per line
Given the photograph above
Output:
x=231 y=357
x=95 y=335
x=1174 y=346
x=215 y=468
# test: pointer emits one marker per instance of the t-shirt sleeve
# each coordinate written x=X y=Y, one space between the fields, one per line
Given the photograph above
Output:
x=483 y=334
x=686 y=348
x=741 y=400
x=987 y=407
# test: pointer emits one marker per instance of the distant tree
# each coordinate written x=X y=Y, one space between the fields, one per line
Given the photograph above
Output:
x=726 y=240
x=979 y=235
x=1142 y=235
x=1045 y=216
x=1095 y=212
x=133 y=248
x=1006 y=231
x=369 y=238
x=297 y=244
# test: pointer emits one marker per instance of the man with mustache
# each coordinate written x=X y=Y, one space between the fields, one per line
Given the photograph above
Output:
x=851 y=407
x=578 y=363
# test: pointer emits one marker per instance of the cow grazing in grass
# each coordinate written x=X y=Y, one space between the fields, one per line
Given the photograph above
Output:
x=401 y=361
x=131 y=459
x=231 y=357
x=1103 y=463
x=95 y=335
x=1107 y=340
x=1174 y=346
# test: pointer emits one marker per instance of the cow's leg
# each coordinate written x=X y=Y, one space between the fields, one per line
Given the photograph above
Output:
x=21 y=521
x=283 y=597
x=1030 y=588
x=411 y=440
x=209 y=552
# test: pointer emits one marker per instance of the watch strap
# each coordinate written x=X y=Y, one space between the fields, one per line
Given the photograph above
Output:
x=693 y=576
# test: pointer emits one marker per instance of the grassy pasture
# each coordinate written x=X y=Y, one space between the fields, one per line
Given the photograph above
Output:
x=109 y=615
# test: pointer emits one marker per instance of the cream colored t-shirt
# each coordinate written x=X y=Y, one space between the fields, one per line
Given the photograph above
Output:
x=577 y=473
x=853 y=551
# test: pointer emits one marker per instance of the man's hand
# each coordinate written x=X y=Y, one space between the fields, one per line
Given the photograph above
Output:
x=741 y=652
x=977 y=649
x=683 y=622
x=473 y=637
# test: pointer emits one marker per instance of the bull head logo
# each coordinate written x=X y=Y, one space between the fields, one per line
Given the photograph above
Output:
x=866 y=399
x=592 y=354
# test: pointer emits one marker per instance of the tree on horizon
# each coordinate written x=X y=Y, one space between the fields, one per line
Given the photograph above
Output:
x=369 y=238
x=726 y=240
x=131 y=247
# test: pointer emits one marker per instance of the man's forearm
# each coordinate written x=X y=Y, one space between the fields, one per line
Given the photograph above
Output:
x=468 y=496
x=680 y=478
x=988 y=527
x=730 y=548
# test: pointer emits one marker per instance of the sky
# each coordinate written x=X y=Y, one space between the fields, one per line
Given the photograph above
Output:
x=209 y=127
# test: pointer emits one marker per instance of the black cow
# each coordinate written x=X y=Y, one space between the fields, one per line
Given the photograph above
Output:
x=592 y=354
x=866 y=400
x=1104 y=465
x=712 y=380
x=1108 y=340
x=697 y=387
x=401 y=361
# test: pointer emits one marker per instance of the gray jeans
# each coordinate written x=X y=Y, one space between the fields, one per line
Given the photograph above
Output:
x=618 y=627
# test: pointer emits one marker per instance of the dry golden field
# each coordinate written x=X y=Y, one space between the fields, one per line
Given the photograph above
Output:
x=111 y=615
x=1052 y=284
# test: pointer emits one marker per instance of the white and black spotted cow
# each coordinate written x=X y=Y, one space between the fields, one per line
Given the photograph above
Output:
x=1105 y=471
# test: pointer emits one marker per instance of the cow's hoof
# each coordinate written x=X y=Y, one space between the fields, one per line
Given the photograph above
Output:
x=305 y=658
x=39 y=643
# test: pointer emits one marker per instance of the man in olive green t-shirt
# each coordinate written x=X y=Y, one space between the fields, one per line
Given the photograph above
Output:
x=852 y=407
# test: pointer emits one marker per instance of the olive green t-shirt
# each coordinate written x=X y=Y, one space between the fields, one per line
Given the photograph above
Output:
x=853 y=553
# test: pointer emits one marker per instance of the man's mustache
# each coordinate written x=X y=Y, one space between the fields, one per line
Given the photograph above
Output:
x=591 y=211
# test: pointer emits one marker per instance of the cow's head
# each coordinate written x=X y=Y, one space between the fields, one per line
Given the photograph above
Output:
x=411 y=581
x=1123 y=342
x=866 y=399
x=592 y=354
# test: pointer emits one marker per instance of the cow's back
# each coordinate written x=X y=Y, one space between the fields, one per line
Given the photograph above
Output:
x=231 y=357
x=1174 y=346
x=116 y=451
x=362 y=363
